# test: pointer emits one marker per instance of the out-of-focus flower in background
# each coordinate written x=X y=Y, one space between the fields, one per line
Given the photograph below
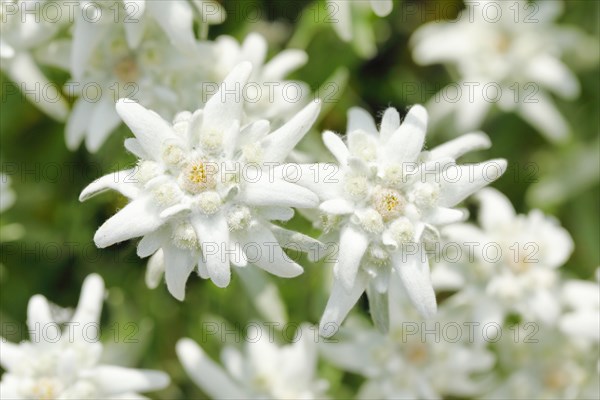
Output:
x=263 y=370
x=24 y=38
x=515 y=261
x=350 y=21
x=413 y=360
x=508 y=54
x=65 y=363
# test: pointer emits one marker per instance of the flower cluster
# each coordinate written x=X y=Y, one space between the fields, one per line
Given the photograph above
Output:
x=420 y=280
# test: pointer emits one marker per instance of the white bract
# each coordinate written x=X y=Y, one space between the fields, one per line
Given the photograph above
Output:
x=507 y=53
x=351 y=22
x=205 y=191
x=65 y=364
x=517 y=257
x=387 y=197
x=264 y=371
x=23 y=35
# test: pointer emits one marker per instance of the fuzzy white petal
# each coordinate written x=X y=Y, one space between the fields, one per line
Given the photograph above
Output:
x=179 y=264
x=414 y=272
x=205 y=372
x=213 y=234
x=148 y=127
x=136 y=219
x=339 y=305
x=407 y=141
x=281 y=142
x=123 y=182
x=460 y=181
x=353 y=244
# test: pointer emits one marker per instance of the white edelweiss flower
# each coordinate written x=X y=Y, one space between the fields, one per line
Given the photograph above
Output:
x=65 y=364
x=545 y=364
x=163 y=77
x=265 y=370
x=349 y=19
x=518 y=257
x=388 y=196
x=269 y=95
x=205 y=189
x=175 y=18
x=508 y=54
x=23 y=35
x=416 y=359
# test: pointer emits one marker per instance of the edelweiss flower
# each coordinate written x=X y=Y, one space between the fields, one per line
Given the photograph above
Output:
x=204 y=191
x=516 y=258
x=506 y=53
x=350 y=21
x=22 y=34
x=270 y=95
x=415 y=360
x=154 y=72
x=65 y=364
x=545 y=364
x=264 y=371
x=175 y=18
x=386 y=198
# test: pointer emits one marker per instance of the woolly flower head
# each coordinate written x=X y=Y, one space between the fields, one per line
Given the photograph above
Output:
x=65 y=364
x=205 y=189
x=387 y=197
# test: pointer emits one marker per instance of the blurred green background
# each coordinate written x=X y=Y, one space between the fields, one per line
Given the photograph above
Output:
x=56 y=252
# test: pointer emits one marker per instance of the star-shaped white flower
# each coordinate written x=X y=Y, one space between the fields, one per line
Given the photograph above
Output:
x=415 y=359
x=65 y=364
x=516 y=259
x=264 y=370
x=205 y=190
x=507 y=54
x=387 y=196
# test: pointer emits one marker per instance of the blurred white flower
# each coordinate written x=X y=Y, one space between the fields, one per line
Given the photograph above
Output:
x=167 y=79
x=544 y=364
x=264 y=371
x=387 y=197
x=22 y=33
x=270 y=95
x=582 y=316
x=65 y=364
x=507 y=53
x=414 y=360
x=205 y=189
x=350 y=21
x=7 y=195
x=175 y=18
x=159 y=75
x=514 y=261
